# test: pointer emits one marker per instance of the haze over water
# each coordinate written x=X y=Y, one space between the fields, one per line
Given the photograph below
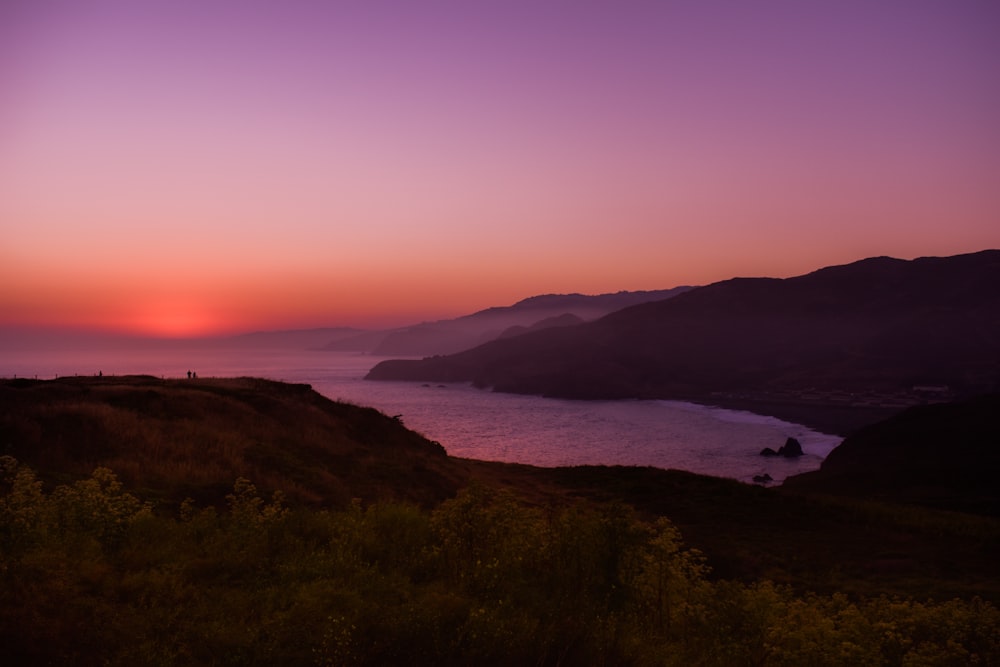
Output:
x=479 y=424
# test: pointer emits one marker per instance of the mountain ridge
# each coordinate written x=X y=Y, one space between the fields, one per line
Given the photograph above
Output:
x=467 y=331
x=859 y=335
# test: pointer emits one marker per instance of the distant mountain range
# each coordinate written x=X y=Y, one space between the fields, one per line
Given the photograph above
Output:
x=877 y=333
x=462 y=333
x=427 y=338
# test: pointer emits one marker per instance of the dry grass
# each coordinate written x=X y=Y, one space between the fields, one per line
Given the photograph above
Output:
x=196 y=437
x=171 y=439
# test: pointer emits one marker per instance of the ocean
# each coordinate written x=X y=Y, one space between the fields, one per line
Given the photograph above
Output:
x=479 y=424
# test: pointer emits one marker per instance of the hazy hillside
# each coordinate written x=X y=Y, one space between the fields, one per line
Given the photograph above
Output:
x=874 y=335
x=567 y=320
x=448 y=336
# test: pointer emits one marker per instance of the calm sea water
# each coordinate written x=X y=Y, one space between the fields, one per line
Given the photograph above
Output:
x=480 y=424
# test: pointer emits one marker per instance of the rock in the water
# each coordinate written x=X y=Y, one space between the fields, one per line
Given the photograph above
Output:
x=791 y=449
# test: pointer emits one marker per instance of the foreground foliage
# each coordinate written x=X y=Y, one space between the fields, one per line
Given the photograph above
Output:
x=89 y=574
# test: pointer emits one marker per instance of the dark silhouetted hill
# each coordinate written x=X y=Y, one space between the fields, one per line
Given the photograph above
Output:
x=861 y=339
x=462 y=333
x=944 y=455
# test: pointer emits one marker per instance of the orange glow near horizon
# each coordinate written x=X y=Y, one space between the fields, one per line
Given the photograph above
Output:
x=249 y=166
x=174 y=320
x=210 y=304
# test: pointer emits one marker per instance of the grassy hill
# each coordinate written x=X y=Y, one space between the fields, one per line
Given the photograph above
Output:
x=171 y=439
x=168 y=440
x=380 y=548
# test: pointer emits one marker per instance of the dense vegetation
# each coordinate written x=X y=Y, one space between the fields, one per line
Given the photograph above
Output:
x=361 y=542
x=90 y=575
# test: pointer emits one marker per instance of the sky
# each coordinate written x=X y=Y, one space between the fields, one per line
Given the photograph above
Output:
x=189 y=167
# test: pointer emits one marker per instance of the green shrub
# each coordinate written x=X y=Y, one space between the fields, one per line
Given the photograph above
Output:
x=89 y=575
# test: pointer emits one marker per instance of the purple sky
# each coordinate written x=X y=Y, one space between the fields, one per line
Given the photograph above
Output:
x=183 y=167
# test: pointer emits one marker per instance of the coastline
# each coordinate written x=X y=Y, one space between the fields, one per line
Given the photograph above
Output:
x=832 y=419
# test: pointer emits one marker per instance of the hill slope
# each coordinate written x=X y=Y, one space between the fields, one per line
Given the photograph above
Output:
x=945 y=456
x=172 y=439
x=178 y=438
x=861 y=335
x=462 y=333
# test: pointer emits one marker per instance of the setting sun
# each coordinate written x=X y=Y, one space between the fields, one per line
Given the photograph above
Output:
x=296 y=165
x=174 y=320
x=482 y=310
